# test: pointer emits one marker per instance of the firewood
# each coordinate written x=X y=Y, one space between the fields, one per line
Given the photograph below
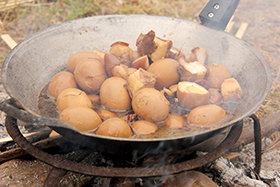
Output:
x=43 y=144
x=229 y=174
x=31 y=137
x=269 y=125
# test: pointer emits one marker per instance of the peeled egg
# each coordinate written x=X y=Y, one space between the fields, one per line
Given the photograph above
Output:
x=114 y=94
x=165 y=71
x=89 y=75
x=83 y=118
x=151 y=105
x=60 y=82
x=144 y=127
x=94 y=98
x=231 y=90
x=206 y=115
x=106 y=114
x=175 y=121
x=79 y=56
x=217 y=73
x=191 y=95
x=72 y=97
x=115 y=127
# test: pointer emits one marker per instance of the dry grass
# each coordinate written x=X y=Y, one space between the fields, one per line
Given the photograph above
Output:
x=28 y=18
x=32 y=17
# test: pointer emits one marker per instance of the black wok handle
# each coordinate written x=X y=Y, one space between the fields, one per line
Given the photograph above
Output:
x=11 y=108
x=217 y=13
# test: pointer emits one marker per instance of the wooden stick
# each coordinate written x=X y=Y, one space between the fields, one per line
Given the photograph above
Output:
x=31 y=137
x=8 y=40
x=43 y=144
x=230 y=24
x=241 y=31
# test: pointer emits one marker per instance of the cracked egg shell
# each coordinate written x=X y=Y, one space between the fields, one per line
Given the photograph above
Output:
x=151 y=105
x=115 y=127
x=191 y=95
x=72 y=97
x=114 y=94
x=89 y=75
x=60 y=82
x=83 y=118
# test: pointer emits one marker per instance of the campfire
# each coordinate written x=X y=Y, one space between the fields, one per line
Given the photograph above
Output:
x=201 y=164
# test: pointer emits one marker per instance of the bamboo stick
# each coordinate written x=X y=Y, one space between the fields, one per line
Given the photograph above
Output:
x=241 y=31
x=8 y=40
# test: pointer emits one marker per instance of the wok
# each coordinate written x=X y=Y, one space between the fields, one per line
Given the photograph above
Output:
x=34 y=61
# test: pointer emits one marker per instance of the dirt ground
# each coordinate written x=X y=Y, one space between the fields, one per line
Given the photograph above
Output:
x=263 y=33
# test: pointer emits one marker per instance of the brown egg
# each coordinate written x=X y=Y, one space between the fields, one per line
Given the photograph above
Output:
x=192 y=71
x=60 y=82
x=144 y=127
x=72 y=97
x=106 y=114
x=175 y=121
x=231 y=90
x=206 y=115
x=114 y=94
x=122 y=51
x=83 y=118
x=191 y=95
x=165 y=72
x=101 y=54
x=89 y=75
x=94 y=98
x=217 y=73
x=150 y=104
x=79 y=56
x=115 y=127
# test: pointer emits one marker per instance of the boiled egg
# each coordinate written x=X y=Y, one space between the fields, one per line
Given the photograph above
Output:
x=175 y=121
x=60 y=82
x=191 y=95
x=89 y=75
x=83 y=118
x=115 y=127
x=165 y=71
x=144 y=127
x=72 y=97
x=206 y=115
x=149 y=104
x=114 y=94
x=79 y=56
